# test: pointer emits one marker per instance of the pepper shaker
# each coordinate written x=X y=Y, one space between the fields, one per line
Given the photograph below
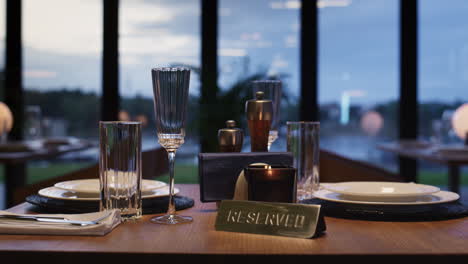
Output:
x=259 y=116
x=230 y=139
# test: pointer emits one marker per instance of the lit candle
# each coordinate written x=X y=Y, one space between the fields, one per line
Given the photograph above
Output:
x=271 y=183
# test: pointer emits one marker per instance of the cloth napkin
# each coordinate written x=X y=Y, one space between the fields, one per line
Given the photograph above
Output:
x=26 y=227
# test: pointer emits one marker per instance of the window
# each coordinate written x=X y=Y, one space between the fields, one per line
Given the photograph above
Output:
x=358 y=77
x=260 y=40
x=443 y=74
x=159 y=34
x=62 y=43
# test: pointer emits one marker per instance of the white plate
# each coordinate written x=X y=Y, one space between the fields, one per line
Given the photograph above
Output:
x=91 y=186
x=435 y=198
x=381 y=189
x=57 y=193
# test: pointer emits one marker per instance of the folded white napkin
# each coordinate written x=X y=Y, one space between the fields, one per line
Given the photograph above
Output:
x=27 y=227
x=241 y=191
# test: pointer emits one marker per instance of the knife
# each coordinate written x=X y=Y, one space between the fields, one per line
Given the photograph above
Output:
x=54 y=219
x=13 y=216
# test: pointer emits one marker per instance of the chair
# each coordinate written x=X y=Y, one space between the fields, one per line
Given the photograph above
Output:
x=154 y=164
x=336 y=168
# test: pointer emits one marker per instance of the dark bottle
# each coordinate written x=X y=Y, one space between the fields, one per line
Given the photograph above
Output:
x=259 y=113
x=230 y=139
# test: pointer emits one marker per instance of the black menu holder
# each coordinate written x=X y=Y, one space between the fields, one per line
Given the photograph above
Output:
x=218 y=172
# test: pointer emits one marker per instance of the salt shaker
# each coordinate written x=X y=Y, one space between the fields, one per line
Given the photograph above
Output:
x=230 y=139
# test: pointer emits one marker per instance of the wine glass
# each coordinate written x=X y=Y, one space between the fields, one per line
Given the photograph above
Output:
x=272 y=91
x=171 y=89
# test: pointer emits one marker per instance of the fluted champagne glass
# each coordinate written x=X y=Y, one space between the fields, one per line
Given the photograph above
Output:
x=272 y=91
x=171 y=90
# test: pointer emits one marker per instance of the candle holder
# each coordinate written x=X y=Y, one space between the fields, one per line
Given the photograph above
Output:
x=271 y=183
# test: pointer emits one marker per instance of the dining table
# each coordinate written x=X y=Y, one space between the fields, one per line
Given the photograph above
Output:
x=15 y=162
x=429 y=152
x=141 y=241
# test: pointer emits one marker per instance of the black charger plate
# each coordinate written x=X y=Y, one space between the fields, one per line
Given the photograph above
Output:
x=427 y=212
x=150 y=205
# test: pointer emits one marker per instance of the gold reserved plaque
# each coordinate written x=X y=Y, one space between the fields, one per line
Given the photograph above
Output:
x=277 y=219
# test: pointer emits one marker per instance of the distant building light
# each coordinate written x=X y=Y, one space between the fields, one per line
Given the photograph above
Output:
x=344 y=118
x=460 y=121
x=346 y=103
x=372 y=122
x=124 y=116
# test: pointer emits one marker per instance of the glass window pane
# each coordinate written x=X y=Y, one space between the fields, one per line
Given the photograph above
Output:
x=358 y=78
x=62 y=43
x=443 y=77
x=157 y=34
x=259 y=39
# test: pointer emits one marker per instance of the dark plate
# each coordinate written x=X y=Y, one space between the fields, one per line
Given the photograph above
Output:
x=150 y=206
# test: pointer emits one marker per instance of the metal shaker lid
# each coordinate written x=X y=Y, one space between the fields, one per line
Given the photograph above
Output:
x=259 y=108
x=230 y=136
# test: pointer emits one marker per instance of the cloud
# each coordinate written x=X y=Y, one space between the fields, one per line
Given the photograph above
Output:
x=290 y=41
x=232 y=52
x=72 y=26
x=165 y=43
x=40 y=74
x=290 y=4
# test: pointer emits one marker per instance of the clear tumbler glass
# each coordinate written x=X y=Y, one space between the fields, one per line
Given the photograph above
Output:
x=33 y=122
x=303 y=143
x=120 y=167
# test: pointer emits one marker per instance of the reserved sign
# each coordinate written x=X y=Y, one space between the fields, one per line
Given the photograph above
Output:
x=278 y=219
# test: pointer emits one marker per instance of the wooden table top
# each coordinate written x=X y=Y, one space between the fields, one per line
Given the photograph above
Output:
x=428 y=153
x=199 y=239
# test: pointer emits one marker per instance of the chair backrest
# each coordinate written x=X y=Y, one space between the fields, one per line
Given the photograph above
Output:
x=336 y=168
x=154 y=164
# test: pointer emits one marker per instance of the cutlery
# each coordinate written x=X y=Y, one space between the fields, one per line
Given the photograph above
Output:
x=54 y=219
x=32 y=217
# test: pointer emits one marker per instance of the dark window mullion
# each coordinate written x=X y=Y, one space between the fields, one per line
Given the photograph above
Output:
x=209 y=75
x=13 y=87
x=110 y=61
x=309 y=61
x=408 y=114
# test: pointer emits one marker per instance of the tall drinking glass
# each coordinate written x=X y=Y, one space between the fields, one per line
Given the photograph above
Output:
x=171 y=89
x=272 y=91
x=120 y=167
x=33 y=122
x=303 y=143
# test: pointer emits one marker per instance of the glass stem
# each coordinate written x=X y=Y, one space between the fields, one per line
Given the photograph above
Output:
x=171 y=209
